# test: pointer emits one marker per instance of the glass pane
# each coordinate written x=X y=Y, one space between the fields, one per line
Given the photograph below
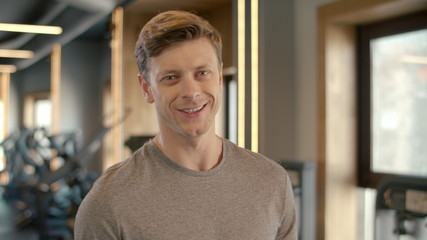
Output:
x=43 y=113
x=232 y=111
x=399 y=103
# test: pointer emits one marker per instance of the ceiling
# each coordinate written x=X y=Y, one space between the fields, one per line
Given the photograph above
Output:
x=78 y=19
x=75 y=17
x=154 y=6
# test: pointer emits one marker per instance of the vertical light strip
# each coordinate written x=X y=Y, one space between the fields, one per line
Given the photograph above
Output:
x=55 y=86
x=4 y=87
x=55 y=90
x=4 y=97
x=116 y=86
x=241 y=72
x=254 y=75
x=5 y=90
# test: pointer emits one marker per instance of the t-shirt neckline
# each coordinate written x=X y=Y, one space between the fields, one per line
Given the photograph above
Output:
x=190 y=172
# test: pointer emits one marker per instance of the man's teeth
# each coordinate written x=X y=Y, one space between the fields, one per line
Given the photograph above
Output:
x=193 y=110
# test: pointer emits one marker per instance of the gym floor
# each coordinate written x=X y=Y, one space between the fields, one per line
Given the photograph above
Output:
x=7 y=227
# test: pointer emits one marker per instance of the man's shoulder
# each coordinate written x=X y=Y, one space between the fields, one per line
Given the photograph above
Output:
x=253 y=159
x=126 y=171
x=118 y=173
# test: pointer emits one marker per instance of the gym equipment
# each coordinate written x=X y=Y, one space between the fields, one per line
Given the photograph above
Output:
x=303 y=178
x=48 y=198
x=401 y=208
x=13 y=166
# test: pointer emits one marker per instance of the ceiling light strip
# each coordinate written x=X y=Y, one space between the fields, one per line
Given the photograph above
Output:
x=9 y=53
x=41 y=29
x=7 y=68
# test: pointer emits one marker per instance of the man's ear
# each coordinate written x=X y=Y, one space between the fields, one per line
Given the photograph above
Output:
x=221 y=82
x=146 y=88
x=221 y=78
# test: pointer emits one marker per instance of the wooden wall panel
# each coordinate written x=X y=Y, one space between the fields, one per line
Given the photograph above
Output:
x=142 y=118
x=340 y=139
x=337 y=119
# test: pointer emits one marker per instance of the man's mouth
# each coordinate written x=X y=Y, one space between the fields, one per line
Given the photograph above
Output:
x=193 y=110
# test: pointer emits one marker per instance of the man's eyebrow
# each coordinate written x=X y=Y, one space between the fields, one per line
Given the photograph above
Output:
x=168 y=71
x=202 y=66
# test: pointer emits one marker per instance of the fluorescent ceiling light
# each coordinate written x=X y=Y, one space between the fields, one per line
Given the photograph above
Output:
x=414 y=59
x=10 y=27
x=7 y=68
x=9 y=53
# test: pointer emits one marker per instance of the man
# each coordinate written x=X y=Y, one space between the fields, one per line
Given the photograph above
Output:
x=187 y=183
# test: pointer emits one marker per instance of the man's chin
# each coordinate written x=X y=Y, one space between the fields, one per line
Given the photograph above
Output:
x=194 y=132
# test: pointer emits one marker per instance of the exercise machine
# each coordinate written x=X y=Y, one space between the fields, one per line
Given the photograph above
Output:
x=401 y=208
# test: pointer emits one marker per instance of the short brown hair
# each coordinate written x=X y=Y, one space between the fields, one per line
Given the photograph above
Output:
x=171 y=27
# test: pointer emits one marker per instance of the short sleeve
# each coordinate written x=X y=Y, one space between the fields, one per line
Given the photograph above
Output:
x=288 y=229
x=95 y=219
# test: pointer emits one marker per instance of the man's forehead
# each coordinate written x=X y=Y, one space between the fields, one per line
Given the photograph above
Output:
x=188 y=56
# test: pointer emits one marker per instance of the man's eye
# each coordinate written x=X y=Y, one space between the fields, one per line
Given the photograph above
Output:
x=169 y=78
x=203 y=73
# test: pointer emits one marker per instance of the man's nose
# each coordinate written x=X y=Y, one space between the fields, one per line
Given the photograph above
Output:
x=190 y=87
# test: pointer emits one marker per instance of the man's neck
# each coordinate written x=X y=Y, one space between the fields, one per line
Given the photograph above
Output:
x=199 y=153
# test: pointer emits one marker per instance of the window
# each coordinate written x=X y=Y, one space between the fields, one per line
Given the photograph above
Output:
x=231 y=108
x=38 y=111
x=393 y=98
x=43 y=113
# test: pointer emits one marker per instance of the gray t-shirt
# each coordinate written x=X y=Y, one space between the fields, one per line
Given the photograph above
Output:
x=246 y=196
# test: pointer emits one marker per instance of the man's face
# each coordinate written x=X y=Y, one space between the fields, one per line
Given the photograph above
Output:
x=185 y=84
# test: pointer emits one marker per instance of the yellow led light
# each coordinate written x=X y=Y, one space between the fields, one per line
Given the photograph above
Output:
x=9 y=53
x=241 y=74
x=254 y=77
x=42 y=29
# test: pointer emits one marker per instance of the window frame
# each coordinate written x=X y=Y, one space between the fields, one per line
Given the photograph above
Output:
x=365 y=33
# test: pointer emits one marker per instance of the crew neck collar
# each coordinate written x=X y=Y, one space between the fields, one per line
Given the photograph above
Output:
x=190 y=172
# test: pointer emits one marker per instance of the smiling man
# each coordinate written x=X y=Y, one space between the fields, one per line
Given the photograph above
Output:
x=187 y=183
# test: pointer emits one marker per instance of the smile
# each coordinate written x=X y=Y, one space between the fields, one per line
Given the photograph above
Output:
x=193 y=110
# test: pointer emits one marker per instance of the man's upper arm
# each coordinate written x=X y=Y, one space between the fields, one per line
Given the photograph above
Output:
x=95 y=219
x=288 y=230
